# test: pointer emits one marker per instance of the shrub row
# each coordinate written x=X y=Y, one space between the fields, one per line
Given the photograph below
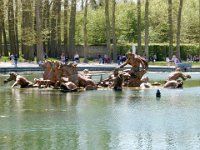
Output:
x=162 y=50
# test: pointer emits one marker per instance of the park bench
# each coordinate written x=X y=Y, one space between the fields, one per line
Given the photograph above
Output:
x=184 y=66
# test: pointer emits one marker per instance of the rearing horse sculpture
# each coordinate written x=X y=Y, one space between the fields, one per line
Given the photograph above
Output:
x=70 y=71
x=51 y=71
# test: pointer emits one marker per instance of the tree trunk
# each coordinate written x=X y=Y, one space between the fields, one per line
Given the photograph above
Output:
x=199 y=32
x=178 y=30
x=82 y=4
x=66 y=9
x=139 y=27
x=1 y=47
x=147 y=29
x=107 y=27
x=38 y=14
x=53 y=35
x=27 y=30
x=46 y=26
x=170 y=34
x=3 y=31
x=5 y=39
x=72 y=29
x=1 y=24
x=85 y=32
x=55 y=49
x=58 y=28
x=16 y=25
x=11 y=27
x=113 y=32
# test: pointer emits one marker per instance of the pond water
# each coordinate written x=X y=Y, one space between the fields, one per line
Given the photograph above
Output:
x=100 y=120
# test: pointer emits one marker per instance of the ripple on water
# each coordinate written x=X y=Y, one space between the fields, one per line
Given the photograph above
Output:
x=2 y=116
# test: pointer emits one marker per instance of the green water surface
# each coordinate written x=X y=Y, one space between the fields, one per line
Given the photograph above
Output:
x=42 y=119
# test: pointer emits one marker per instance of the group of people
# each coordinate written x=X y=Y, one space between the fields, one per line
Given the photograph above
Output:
x=121 y=59
x=104 y=59
x=174 y=60
x=64 y=59
x=194 y=58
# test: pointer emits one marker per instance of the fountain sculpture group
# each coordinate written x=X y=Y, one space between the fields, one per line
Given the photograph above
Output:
x=66 y=77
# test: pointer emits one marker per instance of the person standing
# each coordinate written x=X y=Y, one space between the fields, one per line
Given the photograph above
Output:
x=167 y=61
x=62 y=58
x=76 y=58
x=118 y=59
x=12 y=59
x=15 y=59
x=100 y=59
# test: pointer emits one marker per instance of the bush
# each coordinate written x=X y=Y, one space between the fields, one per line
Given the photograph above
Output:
x=162 y=50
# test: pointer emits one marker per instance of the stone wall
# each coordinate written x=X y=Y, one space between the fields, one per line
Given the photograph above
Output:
x=93 y=51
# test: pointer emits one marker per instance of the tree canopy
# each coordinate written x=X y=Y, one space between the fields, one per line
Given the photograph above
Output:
x=61 y=21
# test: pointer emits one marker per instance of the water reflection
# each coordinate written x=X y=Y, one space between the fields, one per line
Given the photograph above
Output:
x=103 y=119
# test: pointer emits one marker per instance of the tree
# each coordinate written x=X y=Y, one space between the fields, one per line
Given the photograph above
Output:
x=72 y=28
x=85 y=31
x=28 y=34
x=4 y=39
x=139 y=27
x=178 y=30
x=1 y=48
x=147 y=28
x=11 y=27
x=93 y=4
x=16 y=25
x=38 y=14
x=58 y=28
x=55 y=29
x=66 y=9
x=113 y=32
x=46 y=25
x=170 y=32
x=1 y=23
x=107 y=27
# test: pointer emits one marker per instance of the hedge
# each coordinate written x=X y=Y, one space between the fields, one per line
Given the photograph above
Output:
x=162 y=50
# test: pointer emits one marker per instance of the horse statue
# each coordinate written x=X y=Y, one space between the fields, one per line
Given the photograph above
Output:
x=51 y=71
x=178 y=74
x=70 y=71
x=19 y=80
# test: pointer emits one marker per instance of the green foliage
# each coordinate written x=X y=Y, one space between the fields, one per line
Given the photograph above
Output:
x=96 y=26
x=28 y=37
x=190 y=26
x=189 y=49
x=123 y=48
x=161 y=50
x=126 y=23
